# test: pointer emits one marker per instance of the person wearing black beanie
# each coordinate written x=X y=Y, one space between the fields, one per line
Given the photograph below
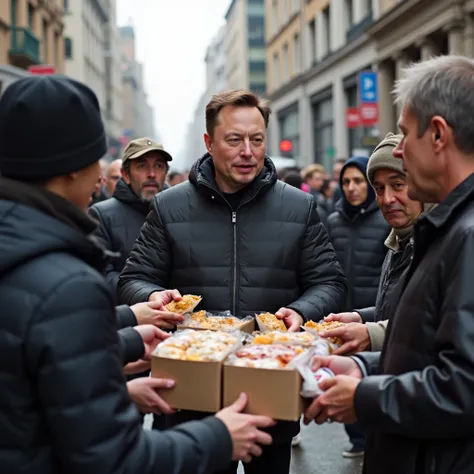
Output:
x=65 y=404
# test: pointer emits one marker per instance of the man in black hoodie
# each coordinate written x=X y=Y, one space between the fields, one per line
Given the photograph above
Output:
x=65 y=405
x=144 y=170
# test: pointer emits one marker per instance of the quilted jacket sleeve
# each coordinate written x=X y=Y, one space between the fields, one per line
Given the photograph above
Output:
x=322 y=280
x=436 y=402
x=72 y=354
x=149 y=264
x=111 y=273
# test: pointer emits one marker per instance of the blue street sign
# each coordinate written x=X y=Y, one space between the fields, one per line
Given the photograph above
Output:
x=368 y=92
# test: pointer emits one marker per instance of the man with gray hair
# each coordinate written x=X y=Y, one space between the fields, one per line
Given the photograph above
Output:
x=415 y=398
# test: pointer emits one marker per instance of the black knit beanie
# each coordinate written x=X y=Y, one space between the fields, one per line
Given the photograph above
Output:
x=49 y=126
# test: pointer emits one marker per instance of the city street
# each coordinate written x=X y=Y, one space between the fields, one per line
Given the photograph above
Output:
x=319 y=452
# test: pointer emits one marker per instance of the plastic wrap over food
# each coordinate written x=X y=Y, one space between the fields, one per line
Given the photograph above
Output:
x=316 y=328
x=200 y=345
x=217 y=322
x=187 y=304
x=285 y=338
x=269 y=322
x=310 y=386
x=264 y=356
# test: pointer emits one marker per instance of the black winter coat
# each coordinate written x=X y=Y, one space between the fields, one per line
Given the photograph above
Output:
x=272 y=252
x=420 y=411
x=64 y=403
x=121 y=218
x=360 y=249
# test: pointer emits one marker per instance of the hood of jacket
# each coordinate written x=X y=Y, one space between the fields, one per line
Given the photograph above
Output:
x=360 y=163
x=124 y=193
x=28 y=230
x=202 y=175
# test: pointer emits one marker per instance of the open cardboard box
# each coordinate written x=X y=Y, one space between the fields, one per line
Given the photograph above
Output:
x=248 y=327
x=198 y=384
x=271 y=392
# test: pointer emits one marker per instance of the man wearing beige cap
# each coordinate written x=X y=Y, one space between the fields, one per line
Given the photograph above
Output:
x=144 y=169
x=385 y=173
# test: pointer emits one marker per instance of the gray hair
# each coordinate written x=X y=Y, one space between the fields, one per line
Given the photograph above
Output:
x=441 y=86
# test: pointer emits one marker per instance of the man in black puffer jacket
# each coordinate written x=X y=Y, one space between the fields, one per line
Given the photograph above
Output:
x=64 y=402
x=240 y=238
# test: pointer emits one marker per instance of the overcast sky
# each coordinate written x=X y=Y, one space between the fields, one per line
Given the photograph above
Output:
x=171 y=40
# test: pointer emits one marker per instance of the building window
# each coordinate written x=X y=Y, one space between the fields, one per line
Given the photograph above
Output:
x=30 y=15
x=312 y=40
x=276 y=71
x=257 y=66
x=349 y=13
x=289 y=130
x=323 y=132
x=256 y=31
x=68 y=48
x=66 y=6
x=44 y=41
x=285 y=73
x=327 y=29
x=276 y=17
x=296 y=54
x=13 y=12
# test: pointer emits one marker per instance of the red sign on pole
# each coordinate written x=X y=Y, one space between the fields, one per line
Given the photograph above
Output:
x=41 y=69
x=369 y=114
x=352 y=117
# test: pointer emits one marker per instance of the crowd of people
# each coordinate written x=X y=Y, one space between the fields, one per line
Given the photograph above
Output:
x=91 y=254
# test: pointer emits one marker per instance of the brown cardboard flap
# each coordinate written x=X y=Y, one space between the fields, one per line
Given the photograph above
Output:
x=275 y=393
x=198 y=384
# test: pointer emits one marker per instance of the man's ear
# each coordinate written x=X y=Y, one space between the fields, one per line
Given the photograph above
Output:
x=125 y=176
x=208 y=143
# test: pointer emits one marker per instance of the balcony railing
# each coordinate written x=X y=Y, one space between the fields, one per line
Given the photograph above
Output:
x=355 y=31
x=25 y=44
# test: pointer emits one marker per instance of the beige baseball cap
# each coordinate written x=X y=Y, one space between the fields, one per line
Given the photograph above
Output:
x=141 y=146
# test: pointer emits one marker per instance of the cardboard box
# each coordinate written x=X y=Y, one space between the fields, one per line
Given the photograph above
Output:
x=271 y=392
x=248 y=327
x=198 y=384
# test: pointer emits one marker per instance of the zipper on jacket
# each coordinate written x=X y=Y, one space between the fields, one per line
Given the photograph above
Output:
x=234 y=287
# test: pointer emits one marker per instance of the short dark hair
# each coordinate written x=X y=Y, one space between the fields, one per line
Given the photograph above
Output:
x=236 y=98
x=294 y=179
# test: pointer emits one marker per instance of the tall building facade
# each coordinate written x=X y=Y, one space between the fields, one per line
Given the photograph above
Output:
x=114 y=107
x=316 y=51
x=31 y=34
x=85 y=49
x=138 y=118
x=245 y=46
x=216 y=81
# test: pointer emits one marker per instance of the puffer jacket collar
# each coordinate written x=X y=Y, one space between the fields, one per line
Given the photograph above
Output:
x=339 y=207
x=124 y=193
x=202 y=175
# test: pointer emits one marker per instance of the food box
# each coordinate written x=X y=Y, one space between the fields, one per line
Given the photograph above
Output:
x=265 y=374
x=193 y=359
x=202 y=320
